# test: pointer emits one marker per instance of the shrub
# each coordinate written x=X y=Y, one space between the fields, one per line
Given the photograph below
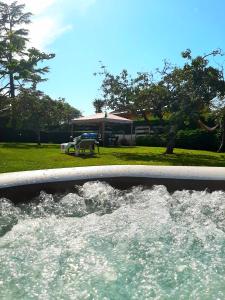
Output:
x=189 y=139
x=124 y=142
x=154 y=140
x=197 y=139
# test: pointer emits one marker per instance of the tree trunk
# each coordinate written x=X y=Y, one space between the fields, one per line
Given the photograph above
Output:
x=145 y=117
x=205 y=127
x=11 y=77
x=39 y=138
x=12 y=86
x=212 y=129
x=170 y=146
x=171 y=140
x=222 y=143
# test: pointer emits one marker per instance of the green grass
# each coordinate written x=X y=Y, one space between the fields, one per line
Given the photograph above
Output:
x=21 y=157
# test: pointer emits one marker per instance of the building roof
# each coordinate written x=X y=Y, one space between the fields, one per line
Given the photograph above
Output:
x=100 y=118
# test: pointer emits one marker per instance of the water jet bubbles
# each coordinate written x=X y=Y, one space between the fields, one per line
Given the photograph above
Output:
x=105 y=243
x=100 y=197
x=9 y=215
x=73 y=205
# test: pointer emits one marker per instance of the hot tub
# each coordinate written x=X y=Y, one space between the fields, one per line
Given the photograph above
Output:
x=20 y=186
x=118 y=232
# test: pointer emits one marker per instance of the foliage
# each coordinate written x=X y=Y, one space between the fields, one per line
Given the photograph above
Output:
x=98 y=105
x=139 y=95
x=187 y=139
x=197 y=139
x=191 y=91
x=18 y=63
x=153 y=140
x=39 y=112
x=64 y=113
x=182 y=95
x=21 y=69
x=194 y=86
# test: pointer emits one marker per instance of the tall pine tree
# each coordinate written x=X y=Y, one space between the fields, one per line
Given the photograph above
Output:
x=18 y=63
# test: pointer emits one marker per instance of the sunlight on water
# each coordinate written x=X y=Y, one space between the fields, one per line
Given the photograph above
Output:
x=102 y=243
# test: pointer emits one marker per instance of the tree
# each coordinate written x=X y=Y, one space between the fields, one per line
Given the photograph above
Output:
x=98 y=105
x=218 y=109
x=38 y=112
x=35 y=110
x=64 y=113
x=183 y=94
x=18 y=64
x=149 y=97
x=117 y=90
x=139 y=95
x=191 y=91
x=5 y=111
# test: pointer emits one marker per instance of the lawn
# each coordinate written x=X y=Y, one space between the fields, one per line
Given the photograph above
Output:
x=21 y=157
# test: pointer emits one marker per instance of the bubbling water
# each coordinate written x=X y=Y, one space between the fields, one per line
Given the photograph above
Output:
x=103 y=243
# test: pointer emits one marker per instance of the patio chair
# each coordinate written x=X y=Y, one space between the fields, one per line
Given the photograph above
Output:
x=65 y=147
x=86 y=144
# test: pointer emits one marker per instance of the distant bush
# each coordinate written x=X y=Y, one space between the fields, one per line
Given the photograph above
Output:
x=28 y=136
x=153 y=140
x=124 y=142
x=197 y=139
x=153 y=122
x=188 y=139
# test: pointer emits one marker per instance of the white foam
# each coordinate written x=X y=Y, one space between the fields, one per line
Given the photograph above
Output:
x=103 y=243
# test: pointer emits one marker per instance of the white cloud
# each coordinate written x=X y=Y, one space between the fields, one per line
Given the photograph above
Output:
x=45 y=30
x=49 y=18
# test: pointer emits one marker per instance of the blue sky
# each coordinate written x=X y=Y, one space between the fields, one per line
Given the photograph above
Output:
x=132 y=34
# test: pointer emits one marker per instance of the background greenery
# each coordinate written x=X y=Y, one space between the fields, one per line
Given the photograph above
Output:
x=190 y=139
x=174 y=101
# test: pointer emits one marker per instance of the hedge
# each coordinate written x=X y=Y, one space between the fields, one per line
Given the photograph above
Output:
x=153 y=140
x=197 y=139
x=27 y=136
x=188 y=139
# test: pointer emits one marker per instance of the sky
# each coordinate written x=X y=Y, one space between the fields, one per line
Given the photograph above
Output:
x=136 y=35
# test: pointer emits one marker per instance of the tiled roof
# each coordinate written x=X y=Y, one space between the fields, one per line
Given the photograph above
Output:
x=101 y=117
